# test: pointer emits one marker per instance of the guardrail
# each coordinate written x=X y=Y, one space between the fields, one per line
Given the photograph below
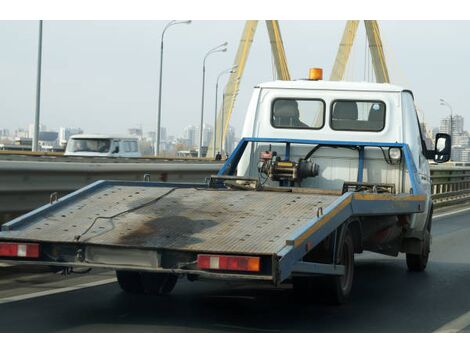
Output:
x=26 y=182
x=450 y=185
x=26 y=185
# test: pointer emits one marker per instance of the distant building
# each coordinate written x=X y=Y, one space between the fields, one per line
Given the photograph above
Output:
x=4 y=133
x=191 y=135
x=65 y=133
x=207 y=135
x=457 y=127
x=229 y=144
x=31 y=129
x=135 y=132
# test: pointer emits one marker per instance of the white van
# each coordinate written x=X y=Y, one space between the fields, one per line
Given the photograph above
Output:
x=103 y=146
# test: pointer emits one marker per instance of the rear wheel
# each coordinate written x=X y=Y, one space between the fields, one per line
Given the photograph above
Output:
x=332 y=289
x=130 y=281
x=418 y=262
x=339 y=287
x=158 y=283
x=144 y=282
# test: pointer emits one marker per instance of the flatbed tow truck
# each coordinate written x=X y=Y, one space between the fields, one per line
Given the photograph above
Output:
x=324 y=170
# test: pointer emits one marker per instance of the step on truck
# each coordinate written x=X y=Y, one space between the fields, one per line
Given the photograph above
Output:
x=323 y=171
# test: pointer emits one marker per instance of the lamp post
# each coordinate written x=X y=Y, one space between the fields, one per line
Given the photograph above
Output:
x=445 y=103
x=35 y=142
x=159 y=113
x=230 y=70
x=218 y=49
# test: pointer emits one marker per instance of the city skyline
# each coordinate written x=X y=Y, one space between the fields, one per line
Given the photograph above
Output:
x=104 y=73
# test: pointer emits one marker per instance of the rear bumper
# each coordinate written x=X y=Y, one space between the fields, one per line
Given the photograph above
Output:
x=135 y=259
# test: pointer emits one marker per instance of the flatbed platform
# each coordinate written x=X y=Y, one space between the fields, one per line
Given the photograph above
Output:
x=183 y=219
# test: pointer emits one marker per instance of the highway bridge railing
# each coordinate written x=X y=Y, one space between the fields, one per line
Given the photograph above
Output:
x=450 y=185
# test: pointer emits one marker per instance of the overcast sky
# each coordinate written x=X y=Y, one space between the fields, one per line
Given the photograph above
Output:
x=102 y=75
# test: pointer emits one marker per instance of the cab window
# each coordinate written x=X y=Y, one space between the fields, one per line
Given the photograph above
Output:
x=352 y=115
x=298 y=113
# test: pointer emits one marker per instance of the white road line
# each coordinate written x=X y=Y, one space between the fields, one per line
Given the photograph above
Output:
x=54 y=291
x=456 y=325
x=451 y=213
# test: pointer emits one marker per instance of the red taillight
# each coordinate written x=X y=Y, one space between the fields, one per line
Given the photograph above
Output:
x=24 y=250
x=226 y=262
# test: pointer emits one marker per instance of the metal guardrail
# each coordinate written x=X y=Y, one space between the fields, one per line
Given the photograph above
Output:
x=450 y=185
x=26 y=182
x=26 y=185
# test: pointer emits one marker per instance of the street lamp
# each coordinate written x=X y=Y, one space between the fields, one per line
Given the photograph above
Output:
x=218 y=49
x=445 y=103
x=159 y=116
x=230 y=70
x=35 y=141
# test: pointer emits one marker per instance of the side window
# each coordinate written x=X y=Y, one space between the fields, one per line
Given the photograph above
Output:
x=351 y=115
x=133 y=147
x=126 y=147
x=298 y=113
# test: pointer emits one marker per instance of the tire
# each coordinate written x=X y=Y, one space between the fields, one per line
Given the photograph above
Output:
x=130 y=281
x=158 y=283
x=330 y=289
x=338 y=288
x=142 y=282
x=418 y=262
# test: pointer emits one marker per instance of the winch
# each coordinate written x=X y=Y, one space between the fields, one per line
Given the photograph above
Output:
x=276 y=169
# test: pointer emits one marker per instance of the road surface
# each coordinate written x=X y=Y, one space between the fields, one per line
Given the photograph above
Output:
x=386 y=298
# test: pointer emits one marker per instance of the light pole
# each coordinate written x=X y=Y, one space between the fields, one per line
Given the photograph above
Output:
x=159 y=113
x=218 y=49
x=230 y=70
x=35 y=142
x=445 y=103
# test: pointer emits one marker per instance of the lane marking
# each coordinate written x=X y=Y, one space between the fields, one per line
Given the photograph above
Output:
x=456 y=325
x=451 y=213
x=56 y=290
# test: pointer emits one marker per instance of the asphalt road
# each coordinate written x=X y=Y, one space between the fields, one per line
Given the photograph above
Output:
x=386 y=298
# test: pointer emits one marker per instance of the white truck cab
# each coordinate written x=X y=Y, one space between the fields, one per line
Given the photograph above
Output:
x=342 y=115
x=103 y=146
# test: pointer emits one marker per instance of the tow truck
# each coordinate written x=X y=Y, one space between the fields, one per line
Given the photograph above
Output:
x=324 y=170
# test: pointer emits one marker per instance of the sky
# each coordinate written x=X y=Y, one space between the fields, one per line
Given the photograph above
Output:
x=102 y=76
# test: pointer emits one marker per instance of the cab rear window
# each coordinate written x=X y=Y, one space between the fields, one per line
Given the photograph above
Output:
x=298 y=113
x=353 y=115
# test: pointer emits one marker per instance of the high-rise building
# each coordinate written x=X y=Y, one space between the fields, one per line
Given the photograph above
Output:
x=206 y=134
x=191 y=135
x=229 y=144
x=457 y=126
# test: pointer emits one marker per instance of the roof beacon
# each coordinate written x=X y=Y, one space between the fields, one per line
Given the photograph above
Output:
x=315 y=74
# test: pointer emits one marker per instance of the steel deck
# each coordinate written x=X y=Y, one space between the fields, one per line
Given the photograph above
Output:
x=203 y=220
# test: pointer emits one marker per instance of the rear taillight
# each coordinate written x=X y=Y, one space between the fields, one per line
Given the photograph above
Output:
x=24 y=250
x=226 y=262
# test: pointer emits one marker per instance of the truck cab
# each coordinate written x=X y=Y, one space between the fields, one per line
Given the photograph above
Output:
x=103 y=146
x=340 y=113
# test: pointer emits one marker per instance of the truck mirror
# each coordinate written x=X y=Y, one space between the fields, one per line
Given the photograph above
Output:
x=442 y=148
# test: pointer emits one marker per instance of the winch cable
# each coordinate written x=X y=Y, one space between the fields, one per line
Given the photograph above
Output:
x=78 y=237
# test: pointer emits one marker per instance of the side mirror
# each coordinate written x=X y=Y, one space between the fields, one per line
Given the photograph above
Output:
x=442 y=148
